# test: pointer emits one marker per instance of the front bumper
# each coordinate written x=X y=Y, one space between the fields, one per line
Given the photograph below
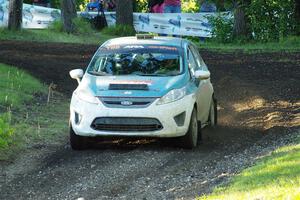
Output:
x=163 y=113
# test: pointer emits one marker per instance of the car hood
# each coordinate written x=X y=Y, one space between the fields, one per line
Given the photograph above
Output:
x=156 y=86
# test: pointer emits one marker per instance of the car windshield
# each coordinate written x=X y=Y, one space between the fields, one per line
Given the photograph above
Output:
x=137 y=60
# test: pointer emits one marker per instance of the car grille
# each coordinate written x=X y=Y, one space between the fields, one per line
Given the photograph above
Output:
x=130 y=102
x=131 y=124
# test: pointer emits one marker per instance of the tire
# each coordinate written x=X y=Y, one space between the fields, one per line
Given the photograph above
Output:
x=213 y=113
x=190 y=139
x=77 y=142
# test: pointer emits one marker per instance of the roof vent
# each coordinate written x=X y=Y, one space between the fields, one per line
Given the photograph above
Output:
x=144 y=36
x=128 y=87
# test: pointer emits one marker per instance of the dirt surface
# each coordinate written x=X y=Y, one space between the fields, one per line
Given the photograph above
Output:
x=259 y=104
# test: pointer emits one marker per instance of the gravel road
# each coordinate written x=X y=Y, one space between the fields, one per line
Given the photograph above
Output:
x=258 y=107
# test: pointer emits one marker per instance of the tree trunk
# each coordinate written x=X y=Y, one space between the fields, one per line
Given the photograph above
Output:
x=68 y=13
x=15 y=14
x=297 y=16
x=124 y=12
x=239 y=25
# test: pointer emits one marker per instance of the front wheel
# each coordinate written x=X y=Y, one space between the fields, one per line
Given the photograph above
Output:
x=190 y=139
x=77 y=142
x=213 y=113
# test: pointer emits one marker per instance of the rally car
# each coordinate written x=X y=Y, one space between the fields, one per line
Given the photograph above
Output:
x=143 y=86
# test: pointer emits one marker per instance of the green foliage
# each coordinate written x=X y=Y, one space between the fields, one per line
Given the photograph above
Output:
x=28 y=1
x=26 y=125
x=56 y=26
x=271 y=19
x=17 y=87
x=55 y=4
x=189 y=6
x=222 y=30
x=82 y=26
x=289 y=44
x=47 y=35
x=141 y=5
x=119 y=30
x=6 y=132
x=81 y=4
x=277 y=176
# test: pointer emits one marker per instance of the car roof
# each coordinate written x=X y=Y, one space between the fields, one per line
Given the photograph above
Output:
x=159 y=40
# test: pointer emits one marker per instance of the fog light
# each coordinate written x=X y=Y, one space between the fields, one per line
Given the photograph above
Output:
x=179 y=119
x=78 y=118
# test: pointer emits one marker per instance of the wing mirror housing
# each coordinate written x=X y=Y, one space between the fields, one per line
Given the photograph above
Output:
x=76 y=74
x=202 y=75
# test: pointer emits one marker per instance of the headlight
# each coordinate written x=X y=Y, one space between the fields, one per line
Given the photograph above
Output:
x=86 y=96
x=173 y=95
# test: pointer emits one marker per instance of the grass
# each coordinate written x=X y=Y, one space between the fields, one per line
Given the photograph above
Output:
x=290 y=44
x=276 y=176
x=86 y=36
x=46 y=35
x=17 y=86
x=26 y=120
x=119 y=31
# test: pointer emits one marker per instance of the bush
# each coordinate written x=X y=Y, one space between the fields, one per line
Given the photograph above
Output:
x=271 y=19
x=6 y=132
x=189 y=6
x=56 y=26
x=82 y=26
x=222 y=29
x=140 y=6
x=119 y=30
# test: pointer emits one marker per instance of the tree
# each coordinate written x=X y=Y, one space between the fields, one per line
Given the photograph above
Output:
x=297 y=16
x=15 y=14
x=240 y=19
x=68 y=14
x=124 y=12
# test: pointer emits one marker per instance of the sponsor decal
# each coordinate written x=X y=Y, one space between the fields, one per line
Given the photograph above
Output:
x=144 y=19
x=1 y=14
x=175 y=22
x=163 y=47
x=189 y=24
x=134 y=47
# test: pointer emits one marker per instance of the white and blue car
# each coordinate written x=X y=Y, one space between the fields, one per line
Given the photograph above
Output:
x=143 y=86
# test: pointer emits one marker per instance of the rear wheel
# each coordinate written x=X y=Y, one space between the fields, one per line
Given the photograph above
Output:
x=77 y=142
x=191 y=137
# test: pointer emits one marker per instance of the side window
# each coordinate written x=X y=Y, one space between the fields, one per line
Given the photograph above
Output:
x=198 y=59
x=191 y=61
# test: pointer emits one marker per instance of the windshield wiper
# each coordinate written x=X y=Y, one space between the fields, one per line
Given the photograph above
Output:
x=98 y=73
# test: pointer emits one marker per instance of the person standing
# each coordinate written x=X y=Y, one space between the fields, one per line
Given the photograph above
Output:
x=172 y=6
x=207 y=6
x=155 y=6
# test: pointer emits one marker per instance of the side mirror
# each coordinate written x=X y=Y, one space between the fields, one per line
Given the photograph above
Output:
x=76 y=74
x=202 y=75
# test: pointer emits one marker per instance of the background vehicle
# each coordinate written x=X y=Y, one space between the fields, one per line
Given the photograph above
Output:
x=143 y=86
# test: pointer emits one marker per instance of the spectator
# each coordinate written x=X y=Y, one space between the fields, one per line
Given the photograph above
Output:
x=95 y=5
x=207 y=6
x=156 y=6
x=44 y=3
x=172 y=6
x=109 y=5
